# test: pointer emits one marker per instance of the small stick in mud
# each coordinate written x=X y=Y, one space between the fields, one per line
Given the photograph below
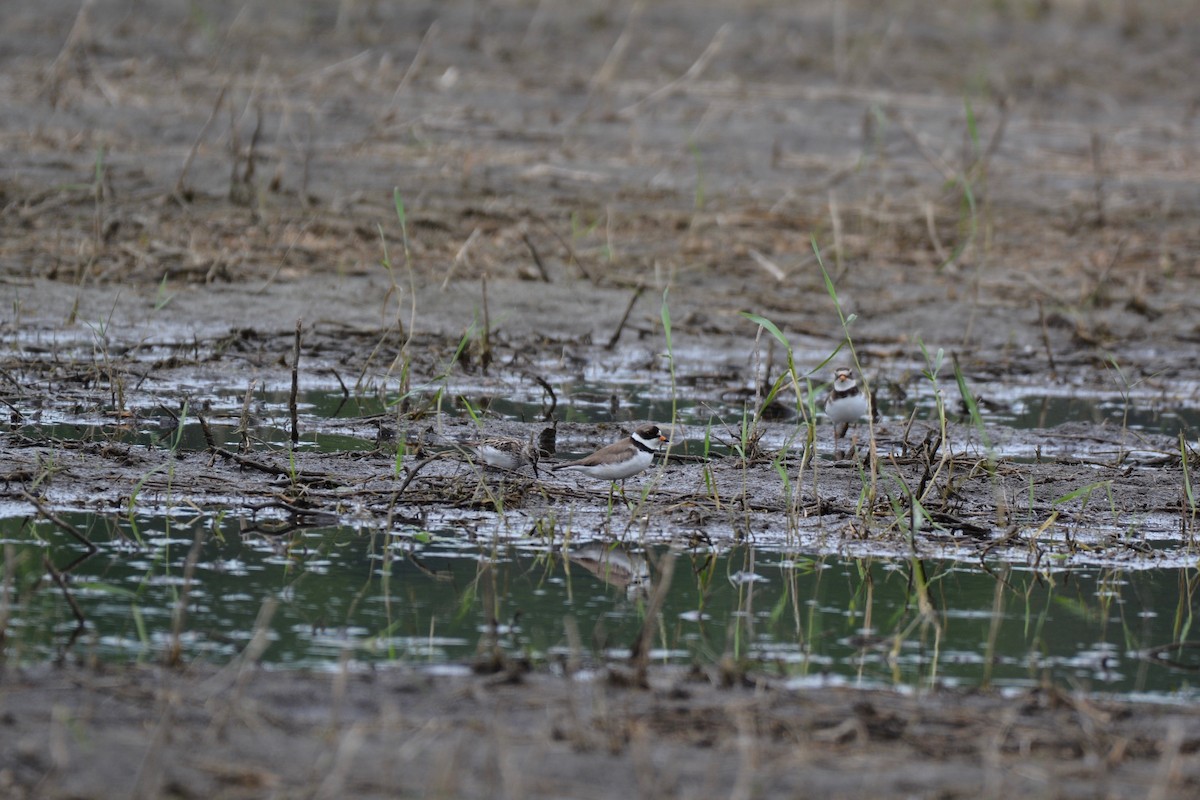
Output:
x=412 y=473
x=295 y=383
x=612 y=341
x=537 y=259
x=241 y=179
x=180 y=193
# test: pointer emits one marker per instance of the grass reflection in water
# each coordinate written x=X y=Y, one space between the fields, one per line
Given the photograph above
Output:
x=203 y=589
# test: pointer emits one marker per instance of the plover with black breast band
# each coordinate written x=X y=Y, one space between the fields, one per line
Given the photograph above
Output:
x=621 y=459
x=845 y=404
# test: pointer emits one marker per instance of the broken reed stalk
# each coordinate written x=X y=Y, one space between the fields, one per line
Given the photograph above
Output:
x=1098 y=168
x=292 y=407
x=306 y=167
x=616 y=54
x=244 y=420
x=485 y=342
x=460 y=257
x=612 y=341
x=241 y=178
x=981 y=163
x=835 y=216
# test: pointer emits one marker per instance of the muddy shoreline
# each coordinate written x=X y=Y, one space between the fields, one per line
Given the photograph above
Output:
x=1015 y=185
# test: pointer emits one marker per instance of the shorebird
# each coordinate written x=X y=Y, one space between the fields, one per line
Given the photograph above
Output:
x=622 y=459
x=844 y=404
x=505 y=452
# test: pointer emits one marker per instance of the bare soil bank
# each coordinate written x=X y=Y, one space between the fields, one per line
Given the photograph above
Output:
x=148 y=732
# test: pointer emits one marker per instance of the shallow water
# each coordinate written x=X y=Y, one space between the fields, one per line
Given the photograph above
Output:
x=333 y=420
x=430 y=598
x=437 y=597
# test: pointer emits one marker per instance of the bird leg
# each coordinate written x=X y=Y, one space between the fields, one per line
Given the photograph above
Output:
x=839 y=430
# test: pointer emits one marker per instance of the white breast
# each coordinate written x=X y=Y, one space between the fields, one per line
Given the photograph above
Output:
x=846 y=409
x=617 y=470
x=495 y=457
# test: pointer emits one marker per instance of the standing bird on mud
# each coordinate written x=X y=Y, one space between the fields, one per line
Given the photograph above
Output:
x=845 y=404
x=621 y=459
x=503 y=452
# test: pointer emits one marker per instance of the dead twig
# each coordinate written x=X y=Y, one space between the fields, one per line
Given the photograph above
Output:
x=249 y=463
x=293 y=408
x=537 y=259
x=949 y=175
x=460 y=257
x=179 y=192
x=416 y=468
x=57 y=71
x=571 y=257
x=414 y=67
x=608 y=69
x=540 y=381
x=60 y=522
x=693 y=72
x=62 y=584
x=612 y=341
x=179 y=615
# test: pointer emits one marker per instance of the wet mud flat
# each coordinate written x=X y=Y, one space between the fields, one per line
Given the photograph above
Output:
x=240 y=732
x=107 y=434
x=180 y=190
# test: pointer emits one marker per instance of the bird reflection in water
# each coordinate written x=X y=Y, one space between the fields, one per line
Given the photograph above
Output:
x=616 y=567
